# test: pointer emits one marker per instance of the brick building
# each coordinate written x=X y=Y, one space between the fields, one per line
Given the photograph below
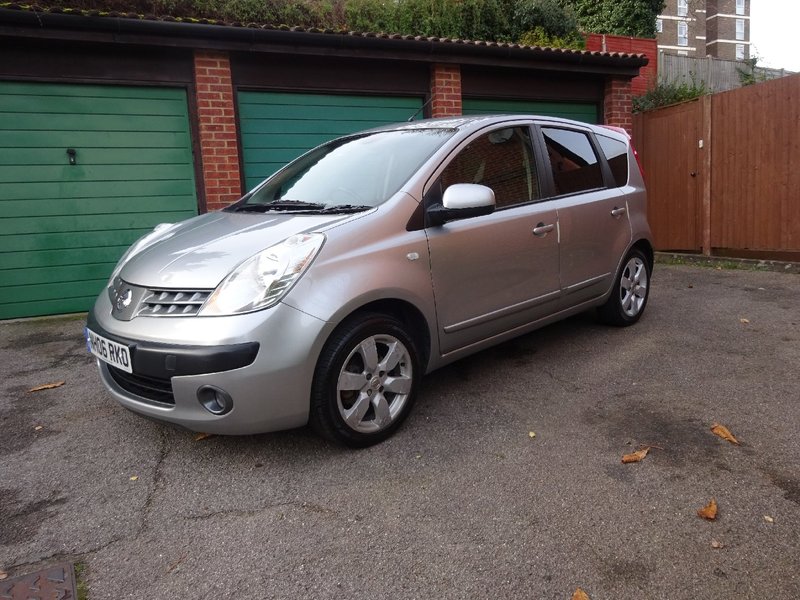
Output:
x=698 y=28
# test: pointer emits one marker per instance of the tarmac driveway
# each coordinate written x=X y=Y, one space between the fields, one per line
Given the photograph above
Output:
x=463 y=502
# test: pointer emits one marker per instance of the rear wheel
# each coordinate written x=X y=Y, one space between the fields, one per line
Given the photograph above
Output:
x=365 y=381
x=631 y=289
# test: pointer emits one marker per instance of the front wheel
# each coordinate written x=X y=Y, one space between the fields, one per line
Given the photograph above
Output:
x=631 y=289
x=365 y=381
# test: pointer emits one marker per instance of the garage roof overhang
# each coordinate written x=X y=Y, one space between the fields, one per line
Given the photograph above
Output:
x=131 y=30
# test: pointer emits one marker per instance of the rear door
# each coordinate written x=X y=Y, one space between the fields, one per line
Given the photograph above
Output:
x=494 y=273
x=592 y=212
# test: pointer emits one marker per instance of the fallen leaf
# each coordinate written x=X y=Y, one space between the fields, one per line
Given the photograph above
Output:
x=531 y=434
x=3 y=575
x=724 y=433
x=134 y=477
x=709 y=511
x=716 y=544
x=635 y=457
x=47 y=386
x=580 y=595
x=202 y=436
x=769 y=519
x=38 y=428
x=744 y=321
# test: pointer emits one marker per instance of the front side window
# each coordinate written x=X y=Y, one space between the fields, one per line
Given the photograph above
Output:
x=739 y=7
x=574 y=164
x=739 y=29
x=683 y=8
x=501 y=160
x=683 y=34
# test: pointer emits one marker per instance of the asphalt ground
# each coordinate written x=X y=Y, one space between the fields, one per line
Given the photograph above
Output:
x=462 y=502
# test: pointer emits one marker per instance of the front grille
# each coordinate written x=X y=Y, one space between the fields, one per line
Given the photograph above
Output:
x=173 y=303
x=148 y=388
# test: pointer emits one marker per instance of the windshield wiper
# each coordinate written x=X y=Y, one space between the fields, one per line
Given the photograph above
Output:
x=290 y=205
x=345 y=208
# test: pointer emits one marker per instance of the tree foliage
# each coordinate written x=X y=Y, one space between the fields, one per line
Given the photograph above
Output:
x=635 y=18
x=534 y=22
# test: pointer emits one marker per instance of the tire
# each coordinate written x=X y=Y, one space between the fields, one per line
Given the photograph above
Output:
x=631 y=289
x=365 y=381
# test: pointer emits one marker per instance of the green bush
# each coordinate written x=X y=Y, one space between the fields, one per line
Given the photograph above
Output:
x=665 y=94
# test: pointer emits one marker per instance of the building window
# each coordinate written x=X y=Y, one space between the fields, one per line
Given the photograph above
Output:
x=739 y=29
x=739 y=51
x=659 y=25
x=739 y=7
x=683 y=34
x=683 y=8
x=683 y=53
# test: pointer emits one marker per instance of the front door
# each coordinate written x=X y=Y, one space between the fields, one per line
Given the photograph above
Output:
x=494 y=273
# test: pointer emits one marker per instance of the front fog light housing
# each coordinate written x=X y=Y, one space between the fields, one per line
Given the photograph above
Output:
x=262 y=280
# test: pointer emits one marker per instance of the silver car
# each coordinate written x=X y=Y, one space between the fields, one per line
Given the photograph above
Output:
x=325 y=294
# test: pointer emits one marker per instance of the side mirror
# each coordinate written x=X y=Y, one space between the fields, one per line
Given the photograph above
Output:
x=462 y=201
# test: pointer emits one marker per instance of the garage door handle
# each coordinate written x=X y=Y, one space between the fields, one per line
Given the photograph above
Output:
x=542 y=230
x=618 y=211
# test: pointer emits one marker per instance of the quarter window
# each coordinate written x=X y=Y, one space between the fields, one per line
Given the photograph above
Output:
x=617 y=156
x=683 y=8
x=501 y=160
x=573 y=161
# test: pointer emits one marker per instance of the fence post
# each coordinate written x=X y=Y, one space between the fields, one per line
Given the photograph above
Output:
x=708 y=147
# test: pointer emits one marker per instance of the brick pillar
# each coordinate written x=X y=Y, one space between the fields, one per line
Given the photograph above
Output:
x=217 y=119
x=445 y=90
x=617 y=104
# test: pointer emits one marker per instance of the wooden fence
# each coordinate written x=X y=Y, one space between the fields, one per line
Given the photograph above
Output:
x=723 y=172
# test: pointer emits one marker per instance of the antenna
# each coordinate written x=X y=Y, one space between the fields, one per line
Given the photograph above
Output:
x=411 y=118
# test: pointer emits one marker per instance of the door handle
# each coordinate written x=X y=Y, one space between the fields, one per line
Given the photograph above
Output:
x=542 y=230
x=618 y=211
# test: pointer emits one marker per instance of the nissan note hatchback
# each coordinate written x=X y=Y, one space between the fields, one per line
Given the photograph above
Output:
x=327 y=292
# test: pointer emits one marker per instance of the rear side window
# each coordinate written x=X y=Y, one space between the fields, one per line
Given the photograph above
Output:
x=573 y=161
x=617 y=156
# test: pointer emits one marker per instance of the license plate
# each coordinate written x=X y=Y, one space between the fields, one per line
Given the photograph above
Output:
x=114 y=354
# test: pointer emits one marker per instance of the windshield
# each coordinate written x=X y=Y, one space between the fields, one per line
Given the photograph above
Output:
x=352 y=173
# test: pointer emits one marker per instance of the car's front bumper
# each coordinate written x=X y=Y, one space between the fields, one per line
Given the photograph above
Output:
x=263 y=361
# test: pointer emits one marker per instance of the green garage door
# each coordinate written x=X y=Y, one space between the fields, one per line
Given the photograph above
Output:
x=63 y=226
x=278 y=127
x=579 y=111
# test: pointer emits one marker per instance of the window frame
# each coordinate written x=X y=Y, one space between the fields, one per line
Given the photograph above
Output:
x=685 y=37
x=549 y=184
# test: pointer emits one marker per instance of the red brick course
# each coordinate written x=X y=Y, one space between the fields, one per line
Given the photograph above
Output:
x=618 y=104
x=219 y=149
x=648 y=75
x=445 y=90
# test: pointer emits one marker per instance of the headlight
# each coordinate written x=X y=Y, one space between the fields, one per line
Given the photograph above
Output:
x=262 y=280
x=159 y=232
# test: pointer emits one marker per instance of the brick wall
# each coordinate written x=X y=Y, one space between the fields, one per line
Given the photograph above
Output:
x=648 y=75
x=217 y=123
x=445 y=90
x=617 y=105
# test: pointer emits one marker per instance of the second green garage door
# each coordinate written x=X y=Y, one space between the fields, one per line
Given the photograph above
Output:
x=277 y=127
x=84 y=171
x=579 y=111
